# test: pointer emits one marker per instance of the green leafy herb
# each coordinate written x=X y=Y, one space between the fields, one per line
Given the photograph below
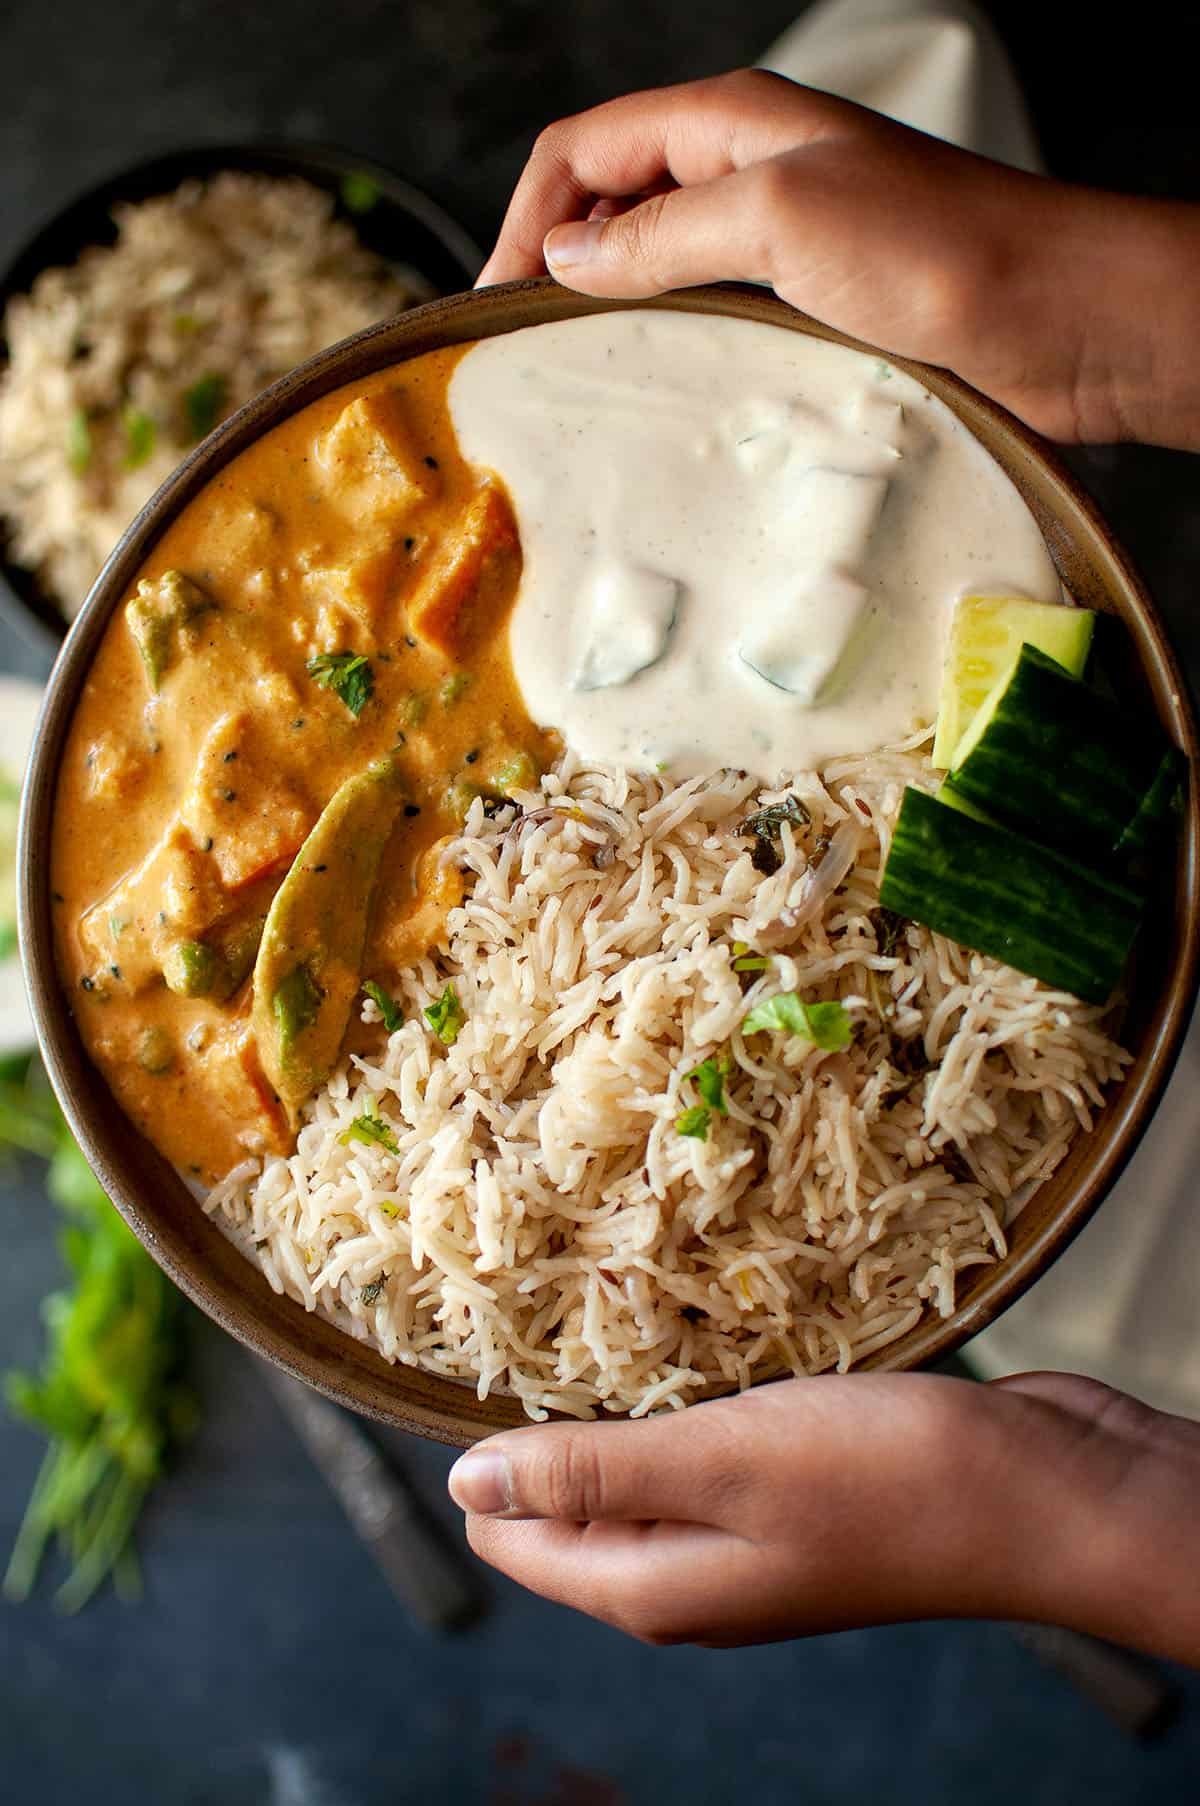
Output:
x=709 y=1079
x=108 y=1398
x=79 y=442
x=370 y=1126
x=389 y=1009
x=745 y=960
x=826 y=1025
x=347 y=674
x=8 y=939
x=446 y=1016
x=360 y=192
x=204 y=403
x=140 y=432
x=694 y=1122
x=372 y=1293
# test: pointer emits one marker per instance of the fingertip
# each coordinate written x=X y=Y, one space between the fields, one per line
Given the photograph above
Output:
x=573 y=245
x=481 y=1482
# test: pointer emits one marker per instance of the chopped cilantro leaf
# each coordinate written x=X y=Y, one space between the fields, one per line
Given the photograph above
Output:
x=204 y=404
x=371 y=1294
x=746 y=960
x=8 y=939
x=370 y=1127
x=709 y=1078
x=826 y=1025
x=446 y=1016
x=347 y=674
x=694 y=1122
x=140 y=431
x=79 y=442
x=388 y=1008
x=360 y=192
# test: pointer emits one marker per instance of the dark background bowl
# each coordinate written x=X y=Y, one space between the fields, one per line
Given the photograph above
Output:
x=154 y=1200
x=401 y=225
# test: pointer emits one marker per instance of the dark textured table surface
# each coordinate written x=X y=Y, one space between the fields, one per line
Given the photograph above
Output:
x=267 y=1662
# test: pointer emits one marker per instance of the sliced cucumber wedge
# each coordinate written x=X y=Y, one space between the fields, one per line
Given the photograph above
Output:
x=1000 y=894
x=986 y=637
x=949 y=796
x=1158 y=807
x=1048 y=757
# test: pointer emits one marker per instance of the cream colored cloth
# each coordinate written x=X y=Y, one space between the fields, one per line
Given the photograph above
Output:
x=933 y=64
x=1121 y=1303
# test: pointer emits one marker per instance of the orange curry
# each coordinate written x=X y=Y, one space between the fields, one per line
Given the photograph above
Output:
x=296 y=703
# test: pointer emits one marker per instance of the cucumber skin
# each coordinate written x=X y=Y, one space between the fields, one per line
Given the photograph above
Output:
x=1000 y=894
x=1158 y=807
x=1054 y=761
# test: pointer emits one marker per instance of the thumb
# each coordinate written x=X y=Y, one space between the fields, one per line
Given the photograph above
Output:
x=685 y=236
x=663 y=1467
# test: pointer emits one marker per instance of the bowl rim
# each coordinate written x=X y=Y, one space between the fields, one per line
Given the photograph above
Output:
x=23 y=601
x=456 y=319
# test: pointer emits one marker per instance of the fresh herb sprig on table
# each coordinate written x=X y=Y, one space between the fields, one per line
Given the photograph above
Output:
x=108 y=1397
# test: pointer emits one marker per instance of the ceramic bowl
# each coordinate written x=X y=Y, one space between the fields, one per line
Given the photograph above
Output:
x=390 y=217
x=154 y=1200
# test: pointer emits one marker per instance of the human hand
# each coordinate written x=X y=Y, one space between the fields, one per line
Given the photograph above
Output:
x=818 y=1505
x=1034 y=291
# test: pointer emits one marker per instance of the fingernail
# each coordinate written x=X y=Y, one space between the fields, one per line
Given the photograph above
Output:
x=578 y=242
x=481 y=1481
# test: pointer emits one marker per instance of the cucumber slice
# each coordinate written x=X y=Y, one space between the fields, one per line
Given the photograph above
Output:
x=948 y=795
x=1159 y=805
x=986 y=637
x=1001 y=894
x=1048 y=757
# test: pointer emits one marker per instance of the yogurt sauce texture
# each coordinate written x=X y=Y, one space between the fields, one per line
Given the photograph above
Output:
x=742 y=545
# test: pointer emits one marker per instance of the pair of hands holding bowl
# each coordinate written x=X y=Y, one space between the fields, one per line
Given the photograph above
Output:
x=809 y=1506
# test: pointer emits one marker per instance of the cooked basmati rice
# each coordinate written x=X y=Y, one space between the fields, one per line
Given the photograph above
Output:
x=239 y=279
x=543 y=1227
